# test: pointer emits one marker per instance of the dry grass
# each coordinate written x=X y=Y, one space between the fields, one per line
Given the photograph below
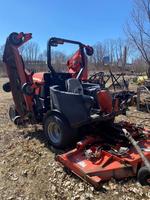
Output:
x=28 y=170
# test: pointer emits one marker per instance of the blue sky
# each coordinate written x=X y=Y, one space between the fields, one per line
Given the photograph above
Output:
x=86 y=20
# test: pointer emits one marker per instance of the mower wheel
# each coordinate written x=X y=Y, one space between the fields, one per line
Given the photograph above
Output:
x=58 y=131
x=144 y=176
x=6 y=87
x=14 y=40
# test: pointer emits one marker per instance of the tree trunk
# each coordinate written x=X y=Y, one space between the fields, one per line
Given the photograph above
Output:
x=148 y=71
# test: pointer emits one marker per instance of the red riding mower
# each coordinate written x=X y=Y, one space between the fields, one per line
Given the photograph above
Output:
x=66 y=103
x=57 y=100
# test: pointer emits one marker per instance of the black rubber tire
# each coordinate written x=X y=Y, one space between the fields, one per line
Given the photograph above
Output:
x=65 y=136
x=144 y=176
x=110 y=121
x=13 y=39
x=6 y=87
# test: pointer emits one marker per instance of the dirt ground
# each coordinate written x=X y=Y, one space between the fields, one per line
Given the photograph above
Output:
x=28 y=170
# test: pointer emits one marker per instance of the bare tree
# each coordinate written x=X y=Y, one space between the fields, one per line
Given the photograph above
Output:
x=116 y=49
x=121 y=52
x=2 y=67
x=139 y=65
x=59 y=60
x=30 y=51
x=110 y=49
x=99 y=53
x=138 y=29
x=1 y=52
x=43 y=56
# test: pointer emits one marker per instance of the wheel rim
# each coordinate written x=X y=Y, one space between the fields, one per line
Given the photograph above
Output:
x=54 y=132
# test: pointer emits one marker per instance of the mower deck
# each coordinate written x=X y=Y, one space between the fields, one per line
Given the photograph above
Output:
x=94 y=160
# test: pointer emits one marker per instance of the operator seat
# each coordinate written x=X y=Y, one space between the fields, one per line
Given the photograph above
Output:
x=73 y=85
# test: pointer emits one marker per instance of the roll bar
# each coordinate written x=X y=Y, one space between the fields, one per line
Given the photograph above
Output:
x=54 y=42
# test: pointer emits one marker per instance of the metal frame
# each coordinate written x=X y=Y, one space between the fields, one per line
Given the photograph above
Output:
x=114 y=79
x=53 y=42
